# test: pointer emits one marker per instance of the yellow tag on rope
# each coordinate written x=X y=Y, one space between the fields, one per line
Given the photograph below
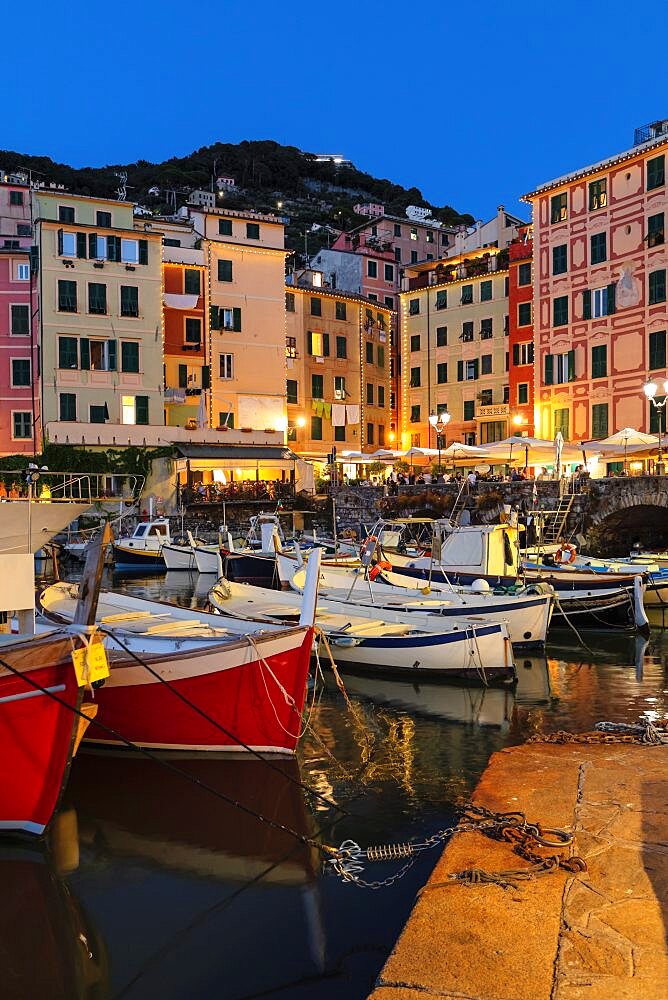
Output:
x=90 y=663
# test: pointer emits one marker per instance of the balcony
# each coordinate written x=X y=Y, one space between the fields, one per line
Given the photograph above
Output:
x=648 y=132
x=175 y=396
x=443 y=273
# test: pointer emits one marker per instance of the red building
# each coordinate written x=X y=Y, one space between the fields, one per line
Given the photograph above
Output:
x=184 y=296
x=520 y=331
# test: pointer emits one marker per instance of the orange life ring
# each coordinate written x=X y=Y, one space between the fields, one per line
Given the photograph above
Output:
x=374 y=572
x=566 y=553
x=367 y=544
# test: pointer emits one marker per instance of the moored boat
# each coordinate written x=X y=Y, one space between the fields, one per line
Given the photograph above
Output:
x=143 y=549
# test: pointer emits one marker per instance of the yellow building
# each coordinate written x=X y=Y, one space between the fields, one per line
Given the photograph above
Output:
x=245 y=258
x=100 y=320
x=338 y=369
x=454 y=349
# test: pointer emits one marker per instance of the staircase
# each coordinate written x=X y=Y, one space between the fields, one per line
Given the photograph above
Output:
x=555 y=520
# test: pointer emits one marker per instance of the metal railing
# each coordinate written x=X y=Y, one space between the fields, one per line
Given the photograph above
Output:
x=87 y=487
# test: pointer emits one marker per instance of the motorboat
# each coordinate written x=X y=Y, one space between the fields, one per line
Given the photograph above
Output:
x=143 y=549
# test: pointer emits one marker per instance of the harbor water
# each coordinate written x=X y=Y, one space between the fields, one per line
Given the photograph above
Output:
x=153 y=887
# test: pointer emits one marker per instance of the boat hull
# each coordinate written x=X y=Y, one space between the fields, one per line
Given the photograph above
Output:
x=126 y=557
x=258 y=570
x=206 y=559
x=240 y=685
x=179 y=557
x=37 y=732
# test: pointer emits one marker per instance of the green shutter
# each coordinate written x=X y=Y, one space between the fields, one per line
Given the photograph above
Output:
x=325 y=344
x=84 y=351
x=612 y=288
x=183 y=376
x=143 y=253
x=571 y=366
x=460 y=371
x=236 y=320
x=60 y=243
x=586 y=304
x=112 y=353
x=206 y=377
x=81 y=245
x=214 y=318
x=549 y=369
x=516 y=354
x=92 y=245
x=141 y=409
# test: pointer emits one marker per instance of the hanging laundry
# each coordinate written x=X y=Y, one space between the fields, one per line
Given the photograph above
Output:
x=352 y=413
x=338 y=414
x=327 y=410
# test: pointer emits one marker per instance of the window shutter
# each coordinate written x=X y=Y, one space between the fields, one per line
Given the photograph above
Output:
x=113 y=248
x=141 y=409
x=309 y=342
x=516 y=354
x=612 y=288
x=236 y=319
x=183 y=376
x=92 y=245
x=84 y=352
x=325 y=344
x=549 y=369
x=112 y=353
x=81 y=245
x=143 y=251
x=476 y=367
x=460 y=371
x=571 y=366
x=60 y=243
x=530 y=353
x=586 y=304
x=214 y=318
x=206 y=377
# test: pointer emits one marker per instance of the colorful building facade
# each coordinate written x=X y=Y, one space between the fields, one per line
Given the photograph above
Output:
x=338 y=375
x=100 y=315
x=454 y=349
x=600 y=314
x=20 y=423
x=521 y=339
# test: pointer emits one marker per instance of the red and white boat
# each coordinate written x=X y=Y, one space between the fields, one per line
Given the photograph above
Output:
x=37 y=732
x=212 y=683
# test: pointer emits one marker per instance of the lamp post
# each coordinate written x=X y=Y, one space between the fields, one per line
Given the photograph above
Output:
x=650 y=389
x=439 y=421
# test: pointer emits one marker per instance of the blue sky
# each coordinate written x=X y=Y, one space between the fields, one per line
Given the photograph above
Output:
x=474 y=104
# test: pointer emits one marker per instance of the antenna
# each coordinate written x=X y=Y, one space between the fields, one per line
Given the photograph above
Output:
x=121 y=190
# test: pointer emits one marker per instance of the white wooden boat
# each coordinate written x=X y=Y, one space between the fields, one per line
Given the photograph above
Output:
x=143 y=549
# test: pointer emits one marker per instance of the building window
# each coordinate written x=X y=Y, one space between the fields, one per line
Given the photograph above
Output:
x=99 y=413
x=291 y=390
x=171 y=243
x=599 y=420
x=16 y=197
x=381 y=356
x=485 y=291
x=560 y=259
x=656 y=172
x=389 y=272
x=97 y=299
x=68 y=354
x=67 y=296
x=316 y=307
x=316 y=428
x=599 y=248
x=441 y=336
x=429 y=237
x=65 y=214
x=415 y=342
x=441 y=372
x=524 y=314
x=130 y=300
x=389 y=301
x=226 y=369
x=339 y=434
x=657 y=349
x=414 y=256
x=224 y=227
x=655 y=230
x=290 y=302
x=340 y=387
x=486 y=364
x=369 y=352
x=657 y=286
x=415 y=377
x=191 y=281
x=523 y=353
x=524 y=274
x=486 y=397
x=414 y=307
x=20 y=321
x=397 y=229
x=20 y=372
x=467 y=295
x=442 y=299
x=231 y=319
x=372 y=296
x=372 y=269
x=369 y=433
x=467 y=331
x=469 y=409
x=103 y=219
x=369 y=393
x=381 y=395
x=252 y=231
x=23 y=272
x=559 y=368
x=561 y=423
x=129 y=356
x=130 y=252
x=598 y=194
x=467 y=371
x=317 y=387
x=224 y=270
x=559 y=207
x=67 y=406
x=341 y=347
x=560 y=311
x=21 y=425
x=415 y=413
x=486 y=331
x=523 y=393
x=597 y=302
x=397 y=254
x=291 y=347
x=23 y=229
x=414 y=233
x=599 y=361
x=193 y=331
x=340 y=308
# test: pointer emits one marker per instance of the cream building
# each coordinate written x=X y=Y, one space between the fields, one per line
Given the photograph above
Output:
x=245 y=258
x=454 y=349
x=100 y=318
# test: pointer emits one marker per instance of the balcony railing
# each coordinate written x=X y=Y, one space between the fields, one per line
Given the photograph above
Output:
x=648 y=132
x=443 y=273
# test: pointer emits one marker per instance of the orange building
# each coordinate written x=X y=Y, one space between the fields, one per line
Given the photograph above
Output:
x=184 y=284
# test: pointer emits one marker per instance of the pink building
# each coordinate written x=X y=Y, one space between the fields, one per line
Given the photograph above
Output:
x=19 y=393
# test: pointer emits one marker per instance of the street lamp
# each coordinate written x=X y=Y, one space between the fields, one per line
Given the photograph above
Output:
x=650 y=389
x=439 y=421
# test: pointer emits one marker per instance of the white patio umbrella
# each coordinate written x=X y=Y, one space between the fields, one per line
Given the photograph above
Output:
x=201 y=412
